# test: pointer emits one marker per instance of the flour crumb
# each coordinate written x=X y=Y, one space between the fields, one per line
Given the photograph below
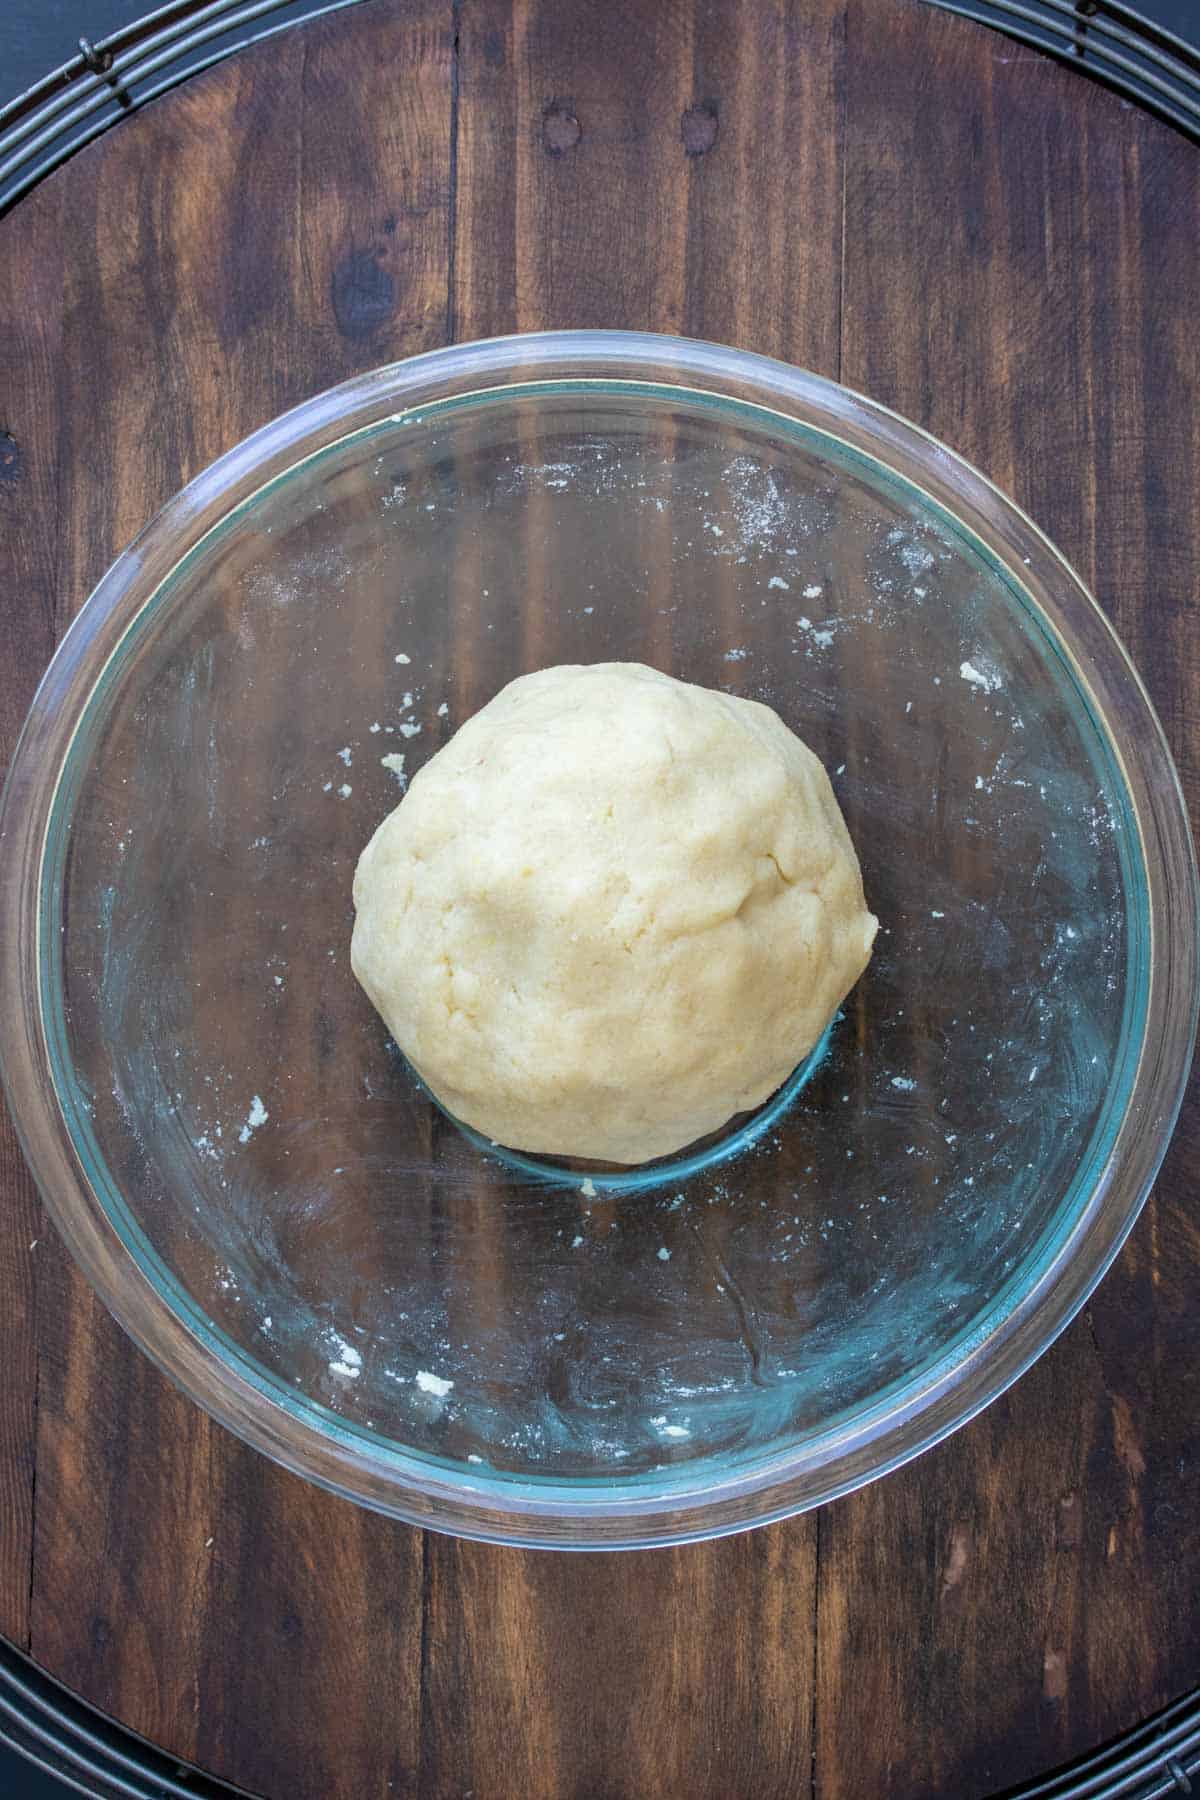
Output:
x=403 y=659
x=937 y=915
x=671 y=1431
x=395 y=763
x=433 y=1384
x=813 y=591
x=345 y=790
x=823 y=637
x=738 y=655
x=258 y=1115
x=987 y=679
x=903 y=1083
x=576 y=1241
x=664 y=1254
x=588 y=1189
x=443 y=711
x=347 y=755
x=777 y=581
x=376 y=727
x=348 y=1361
x=409 y=728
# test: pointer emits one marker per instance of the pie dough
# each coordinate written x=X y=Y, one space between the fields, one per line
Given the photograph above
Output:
x=612 y=912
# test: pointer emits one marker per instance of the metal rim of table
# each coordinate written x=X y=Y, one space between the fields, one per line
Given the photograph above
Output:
x=91 y=1753
x=1104 y=39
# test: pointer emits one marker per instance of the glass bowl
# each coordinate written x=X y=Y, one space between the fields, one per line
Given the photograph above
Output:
x=503 y=1346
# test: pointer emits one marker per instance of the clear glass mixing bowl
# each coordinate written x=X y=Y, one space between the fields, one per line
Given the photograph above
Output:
x=257 y=1185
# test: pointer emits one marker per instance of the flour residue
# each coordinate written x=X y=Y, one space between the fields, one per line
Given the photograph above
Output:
x=258 y=1115
x=346 y=1361
x=820 y=635
x=758 y=506
x=982 y=675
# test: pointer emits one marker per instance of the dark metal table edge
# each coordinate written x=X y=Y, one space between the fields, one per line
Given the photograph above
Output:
x=96 y=1755
x=65 y=1737
x=107 y=80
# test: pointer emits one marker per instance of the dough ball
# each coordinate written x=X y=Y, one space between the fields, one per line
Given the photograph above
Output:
x=611 y=913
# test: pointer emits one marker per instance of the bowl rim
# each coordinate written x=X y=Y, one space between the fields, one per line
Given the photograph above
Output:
x=341 y=1456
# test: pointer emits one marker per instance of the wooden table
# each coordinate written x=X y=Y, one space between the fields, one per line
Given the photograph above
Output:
x=973 y=235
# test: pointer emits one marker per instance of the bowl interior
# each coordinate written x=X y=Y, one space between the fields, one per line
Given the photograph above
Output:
x=273 y=1166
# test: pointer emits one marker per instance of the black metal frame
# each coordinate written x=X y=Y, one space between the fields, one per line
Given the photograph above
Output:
x=1157 y=1759
x=1104 y=39
x=1108 y=41
x=64 y=1737
x=113 y=77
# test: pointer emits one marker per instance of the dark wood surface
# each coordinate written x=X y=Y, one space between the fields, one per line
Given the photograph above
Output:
x=1002 y=252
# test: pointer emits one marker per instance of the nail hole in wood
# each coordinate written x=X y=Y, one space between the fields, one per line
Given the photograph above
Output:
x=561 y=130
x=698 y=128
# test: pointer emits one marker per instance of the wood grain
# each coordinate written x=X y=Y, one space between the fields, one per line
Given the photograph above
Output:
x=30 y=303
x=607 y=161
x=604 y=160
x=1000 y=251
x=674 y=1672
x=190 y=1588
x=1006 y=251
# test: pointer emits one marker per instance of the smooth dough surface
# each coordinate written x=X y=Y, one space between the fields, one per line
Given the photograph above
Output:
x=613 y=911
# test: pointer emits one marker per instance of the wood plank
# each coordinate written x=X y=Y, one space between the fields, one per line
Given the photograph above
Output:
x=31 y=304
x=1018 y=249
x=652 y=186
x=639 y=168
x=275 y=226
x=656 y=1673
